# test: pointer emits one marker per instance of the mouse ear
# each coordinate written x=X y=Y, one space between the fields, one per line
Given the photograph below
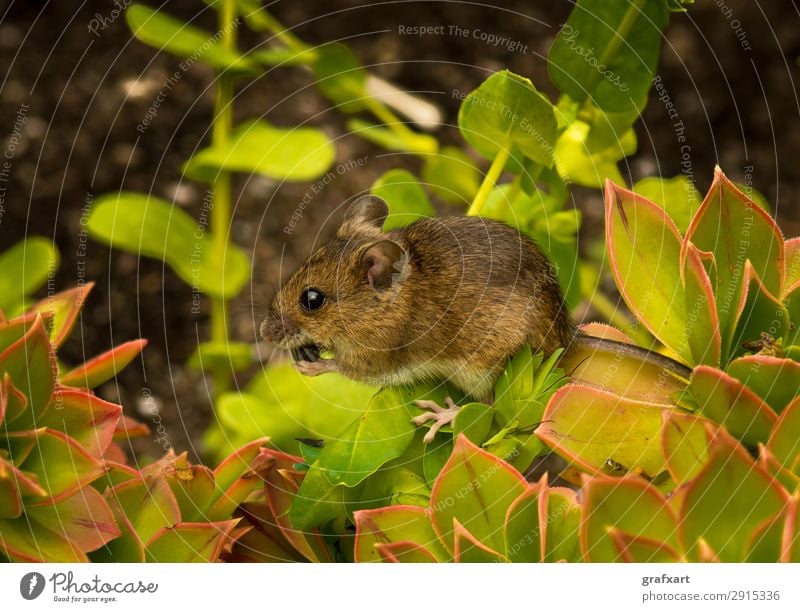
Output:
x=384 y=264
x=367 y=213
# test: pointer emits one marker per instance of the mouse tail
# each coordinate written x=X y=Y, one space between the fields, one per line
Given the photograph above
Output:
x=625 y=369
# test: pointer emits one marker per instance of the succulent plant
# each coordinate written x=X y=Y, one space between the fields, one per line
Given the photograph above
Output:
x=733 y=319
x=481 y=510
x=55 y=438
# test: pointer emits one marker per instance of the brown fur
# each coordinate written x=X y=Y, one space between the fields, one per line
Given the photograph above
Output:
x=471 y=292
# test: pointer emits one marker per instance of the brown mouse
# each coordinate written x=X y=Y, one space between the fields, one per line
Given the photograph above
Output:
x=445 y=298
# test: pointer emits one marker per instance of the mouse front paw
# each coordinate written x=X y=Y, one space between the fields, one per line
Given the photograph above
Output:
x=315 y=368
x=440 y=416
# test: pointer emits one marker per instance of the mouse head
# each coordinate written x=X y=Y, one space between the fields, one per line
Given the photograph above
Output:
x=344 y=289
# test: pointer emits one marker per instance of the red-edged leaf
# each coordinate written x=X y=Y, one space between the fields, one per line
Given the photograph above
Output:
x=238 y=462
x=85 y=519
x=84 y=417
x=264 y=541
x=475 y=488
x=104 y=367
x=758 y=313
x=632 y=506
x=468 y=549
x=602 y=330
x=684 y=443
x=524 y=536
x=60 y=464
x=594 y=429
x=30 y=363
x=775 y=380
x=148 y=503
x=192 y=485
x=726 y=401
x=784 y=441
x=64 y=307
x=13 y=402
x=404 y=552
x=190 y=542
x=393 y=524
x=728 y=499
x=640 y=549
x=19 y=543
x=130 y=428
x=644 y=249
x=736 y=229
x=772 y=466
x=791 y=252
x=282 y=481
x=790 y=542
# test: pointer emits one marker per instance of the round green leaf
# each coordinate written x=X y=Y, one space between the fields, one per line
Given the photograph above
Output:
x=507 y=111
x=676 y=195
x=23 y=269
x=340 y=77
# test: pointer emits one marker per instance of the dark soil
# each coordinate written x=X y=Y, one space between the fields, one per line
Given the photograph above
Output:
x=82 y=96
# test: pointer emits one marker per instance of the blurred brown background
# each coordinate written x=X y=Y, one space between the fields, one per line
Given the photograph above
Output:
x=729 y=67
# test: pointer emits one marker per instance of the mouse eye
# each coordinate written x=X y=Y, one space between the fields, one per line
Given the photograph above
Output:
x=312 y=299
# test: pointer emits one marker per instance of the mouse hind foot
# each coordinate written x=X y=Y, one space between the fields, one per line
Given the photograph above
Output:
x=440 y=416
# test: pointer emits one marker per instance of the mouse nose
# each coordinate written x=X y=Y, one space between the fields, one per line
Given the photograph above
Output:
x=276 y=328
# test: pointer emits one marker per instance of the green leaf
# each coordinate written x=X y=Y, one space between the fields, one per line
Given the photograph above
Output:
x=291 y=154
x=61 y=310
x=728 y=500
x=684 y=441
x=561 y=526
x=644 y=249
x=595 y=428
x=61 y=466
x=340 y=77
x=736 y=230
x=406 y=141
x=784 y=442
x=394 y=524
x=84 y=519
x=23 y=269
x=451 y=176
x=473 y=420
x=775 y=380
x=104 y=367
x=166 y=33
x=507 y=112
x=435 y=457
x=84 y=417
x=405 y=196
x=190 y=542
x=149 y=226
x=317 y=501
x=726 y=401
x=588 y=149
x=475 y=489
x=633 y=507
x=676 y=195
x=608 y=52
x=382 y=433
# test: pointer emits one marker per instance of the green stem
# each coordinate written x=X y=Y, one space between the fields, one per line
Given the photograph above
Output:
x=389 y=119
x=221 y=128
x=490 y=180
x=275 y=27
